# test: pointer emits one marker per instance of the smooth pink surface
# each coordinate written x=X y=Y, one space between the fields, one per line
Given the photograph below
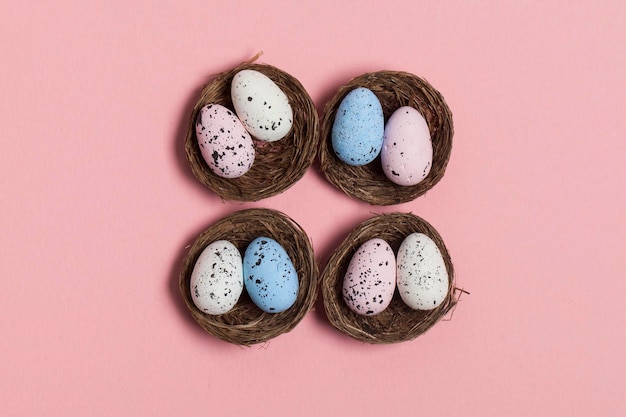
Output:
x=98 y=205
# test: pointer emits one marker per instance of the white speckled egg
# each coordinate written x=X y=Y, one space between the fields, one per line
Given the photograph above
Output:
x=422 y=275
x=217 y=278
x=407 y=153
x=269 y=275
x=225 y=144
x=370 y=279
x=261 y=105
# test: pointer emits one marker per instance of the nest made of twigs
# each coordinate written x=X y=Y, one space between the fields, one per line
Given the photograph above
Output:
x=398 y=322
x=246 y=324
x=277 y=165
x=394 y=90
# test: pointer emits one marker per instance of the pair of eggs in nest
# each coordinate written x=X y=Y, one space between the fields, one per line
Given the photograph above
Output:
x=262 y=112
x=359 y=135
x=266 y=271
x=374 y=272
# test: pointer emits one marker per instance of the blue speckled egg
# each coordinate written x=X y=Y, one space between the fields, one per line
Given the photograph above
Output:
x=269 y=275
x=358 y=129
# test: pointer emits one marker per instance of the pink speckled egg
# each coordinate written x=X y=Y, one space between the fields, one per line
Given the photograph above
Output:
x=407 y=153
x=370 y=279
x=226 y=146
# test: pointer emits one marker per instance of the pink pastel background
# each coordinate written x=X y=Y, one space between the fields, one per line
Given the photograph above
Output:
x=98 y=205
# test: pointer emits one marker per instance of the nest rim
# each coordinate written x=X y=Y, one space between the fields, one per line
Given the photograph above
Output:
x=278 y=165
x=246 y=324
x=393 y=89
x=398 y=322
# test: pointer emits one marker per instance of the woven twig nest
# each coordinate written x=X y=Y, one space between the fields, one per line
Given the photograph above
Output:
x=398 y=322
x=394 y=90
x=247 y=324
x=277 y=165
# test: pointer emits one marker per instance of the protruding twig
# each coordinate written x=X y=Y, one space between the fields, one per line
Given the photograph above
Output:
x=254 y=58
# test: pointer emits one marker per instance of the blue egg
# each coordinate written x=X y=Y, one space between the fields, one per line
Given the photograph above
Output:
x=269 y=275
x=359 y=128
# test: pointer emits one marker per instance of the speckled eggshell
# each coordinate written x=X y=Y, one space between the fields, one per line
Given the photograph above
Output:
x=261 y=105
x=269 y=275
x=225 y=144
x=422 y=275
x=217 y=278
x=407 y=153
x=358 y=128
x=370 y=279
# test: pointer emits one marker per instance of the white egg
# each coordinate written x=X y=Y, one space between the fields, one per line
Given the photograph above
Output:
x=261 y=105
x=422 y=277
x=217 y=278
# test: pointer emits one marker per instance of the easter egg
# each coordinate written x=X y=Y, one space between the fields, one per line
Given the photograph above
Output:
x=370 y=279
x=226 y=146
x=261 y=105
x=269 y=275
x=217 y=278
x=407 y=153
x=358 y=128
x=422 y=275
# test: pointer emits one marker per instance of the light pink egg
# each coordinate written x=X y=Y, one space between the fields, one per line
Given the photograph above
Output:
x=370 y=279
x=225 y=144
x=407 y=153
